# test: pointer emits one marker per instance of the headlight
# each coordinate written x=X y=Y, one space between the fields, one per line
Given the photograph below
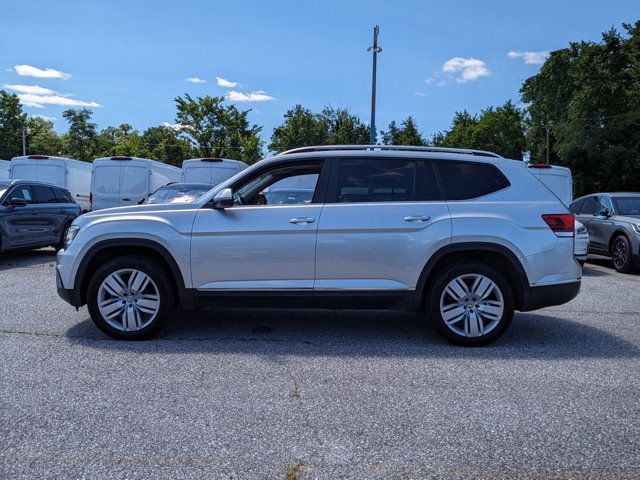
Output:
x=636 y=227
x=72 y=232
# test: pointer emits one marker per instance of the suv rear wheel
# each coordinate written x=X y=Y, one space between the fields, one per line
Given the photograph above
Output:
x=470 y=304
x=130 y=297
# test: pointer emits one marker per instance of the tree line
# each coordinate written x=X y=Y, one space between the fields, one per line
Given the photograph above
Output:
x=582 y=110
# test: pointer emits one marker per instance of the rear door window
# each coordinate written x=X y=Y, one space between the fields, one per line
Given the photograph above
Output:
x=575 y=206
x=134 y=180
x=588 y=207
x=467 y=180
x=107 y=179
x=44 y=194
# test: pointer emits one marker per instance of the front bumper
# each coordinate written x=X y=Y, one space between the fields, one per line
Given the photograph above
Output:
x=67 y=294
x=549 y=295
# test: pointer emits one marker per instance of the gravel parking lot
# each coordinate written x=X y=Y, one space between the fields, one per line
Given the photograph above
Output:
x=251 y=394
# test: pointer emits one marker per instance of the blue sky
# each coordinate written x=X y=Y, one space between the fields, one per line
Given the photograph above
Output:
x=133 y=57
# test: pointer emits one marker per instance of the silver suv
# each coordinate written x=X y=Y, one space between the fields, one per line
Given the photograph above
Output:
x=465 y=236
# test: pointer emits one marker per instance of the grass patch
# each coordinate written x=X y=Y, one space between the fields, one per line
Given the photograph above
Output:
x=294 y=471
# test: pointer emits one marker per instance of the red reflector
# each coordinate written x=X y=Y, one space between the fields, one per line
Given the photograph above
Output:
x=38 y=157
x=211 y=159
x=560 y=222
x=539 y=165
x=120 y=158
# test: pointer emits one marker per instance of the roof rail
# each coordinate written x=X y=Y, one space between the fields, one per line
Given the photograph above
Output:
x=405 y=148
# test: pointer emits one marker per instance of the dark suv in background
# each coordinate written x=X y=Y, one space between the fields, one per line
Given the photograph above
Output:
x=34 y=214
x=613 y=223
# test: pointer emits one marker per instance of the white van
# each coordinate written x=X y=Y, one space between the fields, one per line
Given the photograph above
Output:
x=557 y=179
x=210 y=170
x=73 y=175
x=4 y=169
x=122 y=181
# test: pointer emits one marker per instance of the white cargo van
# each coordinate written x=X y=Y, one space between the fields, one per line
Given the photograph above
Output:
x=73 y=175
x=122 y=181
x=210 y=170
x=557 y=179
x=4 y=169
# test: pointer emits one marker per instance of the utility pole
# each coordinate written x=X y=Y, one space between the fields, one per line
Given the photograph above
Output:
x=24 y=141
x=376 y=50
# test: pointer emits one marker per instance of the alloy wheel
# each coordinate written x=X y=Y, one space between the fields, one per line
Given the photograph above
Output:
x=620 y=253
x=128 y=300
x=471 y=305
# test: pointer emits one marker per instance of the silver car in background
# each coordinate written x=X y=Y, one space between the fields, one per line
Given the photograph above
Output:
x=613 y=223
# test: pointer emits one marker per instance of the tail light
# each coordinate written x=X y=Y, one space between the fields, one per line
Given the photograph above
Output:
x=562 y=224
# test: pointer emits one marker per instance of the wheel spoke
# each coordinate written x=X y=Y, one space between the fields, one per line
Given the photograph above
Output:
x=484 y=287
x=473 y=325
x=453 y=315
x=114 y=284
x=110 y=308
x=130 y=319
x=490 y=311
x=148 y=303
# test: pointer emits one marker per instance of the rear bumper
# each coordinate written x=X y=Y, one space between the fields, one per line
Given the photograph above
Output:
x=549 y=295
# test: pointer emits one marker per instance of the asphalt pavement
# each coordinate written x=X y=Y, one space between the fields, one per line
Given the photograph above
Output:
x=312 y=394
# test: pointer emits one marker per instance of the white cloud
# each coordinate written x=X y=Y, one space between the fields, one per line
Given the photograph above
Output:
x=442 y=83
x=223 y=82
x=195 y=80
x=33 y=89
x=39 y=101
x=173 y=126
x=530 y=58
x=419 y=94
x=44 y=117
x=468 y=69
x=430 y=80
x=29 y=71
x=257 y=96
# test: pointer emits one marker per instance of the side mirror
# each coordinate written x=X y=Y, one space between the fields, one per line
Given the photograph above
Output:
x=605 y=212
x=223 y=199
x=141 y=201
x=18 y=202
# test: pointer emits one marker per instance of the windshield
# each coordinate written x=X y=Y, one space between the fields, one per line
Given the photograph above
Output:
x=628 y=205
x=177 y=194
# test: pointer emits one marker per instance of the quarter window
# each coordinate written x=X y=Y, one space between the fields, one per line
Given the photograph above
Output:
x=466 y=180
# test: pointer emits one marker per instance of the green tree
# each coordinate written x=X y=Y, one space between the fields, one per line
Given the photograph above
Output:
x=164 y=144
x=80 y=140
x=300 y=128
x=406 y=134
x=588 y=95
x=12 y=120
x=344 y=127
x=218 y=130
x=500 y=130
x=42 y=138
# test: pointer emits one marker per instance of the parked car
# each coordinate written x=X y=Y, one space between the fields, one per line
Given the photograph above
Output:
x=557 y=179
x=4 y=169
x=210 y=170
x=581 y=246
x=34 y=214
x=613 y=223
x=73 y=175
x=177 y=193
x=465 y=236
x=124 y=181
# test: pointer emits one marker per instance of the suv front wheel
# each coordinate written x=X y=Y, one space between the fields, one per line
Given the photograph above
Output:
x=470 y=304
x=130 y=297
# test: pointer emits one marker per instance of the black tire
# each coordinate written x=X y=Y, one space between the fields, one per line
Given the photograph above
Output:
x=153 y=270
x=437 y=288
x=621 y=255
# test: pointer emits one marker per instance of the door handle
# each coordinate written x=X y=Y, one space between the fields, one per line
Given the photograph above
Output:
x=302 y=220
x=126 y=199
x=417 y=218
